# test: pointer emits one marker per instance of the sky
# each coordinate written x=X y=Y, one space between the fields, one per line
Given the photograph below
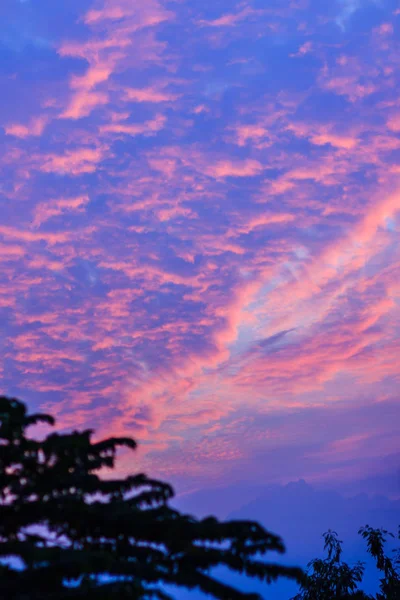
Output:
x=199 y=234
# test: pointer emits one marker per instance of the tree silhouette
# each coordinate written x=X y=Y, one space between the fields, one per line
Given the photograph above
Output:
x=66 y=533
x=390 y=568
x=331 y=578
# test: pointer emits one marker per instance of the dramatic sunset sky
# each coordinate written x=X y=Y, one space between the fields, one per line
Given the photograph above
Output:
x=199 y=233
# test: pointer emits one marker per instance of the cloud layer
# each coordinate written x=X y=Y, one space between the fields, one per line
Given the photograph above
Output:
x=199 y=242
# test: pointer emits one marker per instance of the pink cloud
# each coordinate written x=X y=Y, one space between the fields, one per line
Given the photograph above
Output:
x=146 y=128
x=385 y=29
x=350 y=77
x=149 y=94
x=110 y=13
x=167 y=166
x=341 y=258
x=201 y=108
x=83 y=103
x=213 y=247
x=33 y=236
x=264 y=220
x=324 y=134
x=42 y=264
x=250 y=134
x=311 y=364
x=231 y=19
x=9 y=251
x=35 y=128
x=230 y=168
x=74 y=162
x=338 y=141
x=393 y=123
x=304 y=49
x=97 y=73
x=83 y=99
x=350 y=87
x=92 y=49
x=108 y=53
x=360 y=446
x=47 y=210
x=166 y=214
x=149 y=14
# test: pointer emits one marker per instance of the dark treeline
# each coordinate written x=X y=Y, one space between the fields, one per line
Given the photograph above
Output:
x=66 y=532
